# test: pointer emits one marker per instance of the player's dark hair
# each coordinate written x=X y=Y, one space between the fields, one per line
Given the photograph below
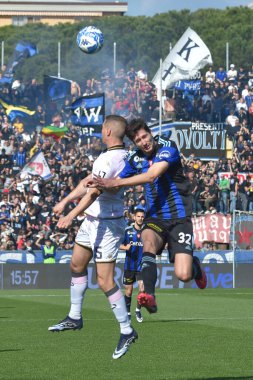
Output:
x=138 y=210
x=134 y=126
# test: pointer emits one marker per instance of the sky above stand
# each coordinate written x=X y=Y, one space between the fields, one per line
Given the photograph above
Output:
x=151 y=7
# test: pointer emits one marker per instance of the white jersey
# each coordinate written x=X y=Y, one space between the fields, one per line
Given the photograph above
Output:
x=108 y=165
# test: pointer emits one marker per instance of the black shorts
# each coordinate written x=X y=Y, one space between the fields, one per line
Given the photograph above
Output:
x=177 y=233
x=130 y=277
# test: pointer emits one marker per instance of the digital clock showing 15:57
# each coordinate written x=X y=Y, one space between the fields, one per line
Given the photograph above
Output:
x=24 y=277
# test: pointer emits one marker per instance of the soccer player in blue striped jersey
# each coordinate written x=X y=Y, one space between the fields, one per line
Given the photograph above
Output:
x=133 y=246
x=156 y=163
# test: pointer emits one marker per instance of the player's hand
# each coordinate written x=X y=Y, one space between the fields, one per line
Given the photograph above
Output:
x=104 y=183
x=65 y=222
x=91 y=183
x=86 y=181
x=59 y=208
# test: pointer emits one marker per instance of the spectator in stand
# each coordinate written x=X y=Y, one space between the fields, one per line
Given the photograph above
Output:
x=153 y=108
x=48 y=250
x=206 y=97
x=250 y=195
x=249 y=98
x=234 y=185
x=210 y=75
x=21 y=240
x=210 y=197
x=233 y=124
x=20 y=157
x=250 y=115
x=245 y=91
x=40 y=116
x=58 y=238
x=242 y=114
x=29 y=246
x=195 y=190
x=4 y=214
x=224 y=186
x=232 y=74
x=131 y=75
x=250 y=73
x=242 y=76
x=241 y=104
x=17 y=225
x=243 y=193
x=221 y=75
x=75 y=89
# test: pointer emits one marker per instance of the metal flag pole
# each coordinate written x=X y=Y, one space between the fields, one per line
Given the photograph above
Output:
x=2 y=55
x=114 y=57
x=59 y=59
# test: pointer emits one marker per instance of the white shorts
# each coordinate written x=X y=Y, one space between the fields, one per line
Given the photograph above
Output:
x=103 y=236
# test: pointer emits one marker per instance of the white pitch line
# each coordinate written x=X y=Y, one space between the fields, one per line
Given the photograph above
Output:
x=157 y=320
x=90 y=295
x=59 y=295
x=43 y=295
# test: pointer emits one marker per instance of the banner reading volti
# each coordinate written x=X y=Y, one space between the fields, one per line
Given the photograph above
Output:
x=206 y=140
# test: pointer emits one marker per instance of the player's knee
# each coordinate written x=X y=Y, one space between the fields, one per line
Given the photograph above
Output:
x=183 y=275
x=105 y=284
x=76 y=267
x=128 y=292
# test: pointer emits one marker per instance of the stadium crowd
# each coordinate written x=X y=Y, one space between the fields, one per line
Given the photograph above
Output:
x=26 y=218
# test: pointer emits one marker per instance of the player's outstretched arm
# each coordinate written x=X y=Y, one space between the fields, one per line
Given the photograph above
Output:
x=78 y=192
x=156 y=170
x=84 y=203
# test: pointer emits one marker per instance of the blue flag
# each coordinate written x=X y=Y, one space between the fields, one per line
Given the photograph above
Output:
x=25 y=50
x=22 y=51
x=89 y=111
x=190 y=85
x=56 y=88
x=13 y=111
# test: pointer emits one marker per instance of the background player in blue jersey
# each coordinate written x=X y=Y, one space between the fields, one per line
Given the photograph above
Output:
x=133 y=246
x=156 y=163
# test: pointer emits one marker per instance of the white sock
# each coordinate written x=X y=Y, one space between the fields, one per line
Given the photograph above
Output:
x=77 y=292
x=118 y=305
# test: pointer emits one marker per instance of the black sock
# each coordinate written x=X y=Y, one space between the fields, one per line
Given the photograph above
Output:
x=196 y=269
x=128 y=303
x=149 y=272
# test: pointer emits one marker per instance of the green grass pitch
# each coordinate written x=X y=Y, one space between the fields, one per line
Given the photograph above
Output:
x=196 y=335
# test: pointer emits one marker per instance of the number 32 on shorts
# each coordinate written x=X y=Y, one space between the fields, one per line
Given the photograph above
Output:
x=184 y=238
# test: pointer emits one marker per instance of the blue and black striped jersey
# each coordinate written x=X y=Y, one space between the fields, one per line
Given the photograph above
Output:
x=134 y=254
x=169 y=196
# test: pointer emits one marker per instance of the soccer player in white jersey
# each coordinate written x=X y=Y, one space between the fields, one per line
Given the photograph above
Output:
x=99 y=236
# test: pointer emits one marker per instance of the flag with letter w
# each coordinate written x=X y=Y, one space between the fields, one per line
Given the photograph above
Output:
x=188 y=56
x=89 y=111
